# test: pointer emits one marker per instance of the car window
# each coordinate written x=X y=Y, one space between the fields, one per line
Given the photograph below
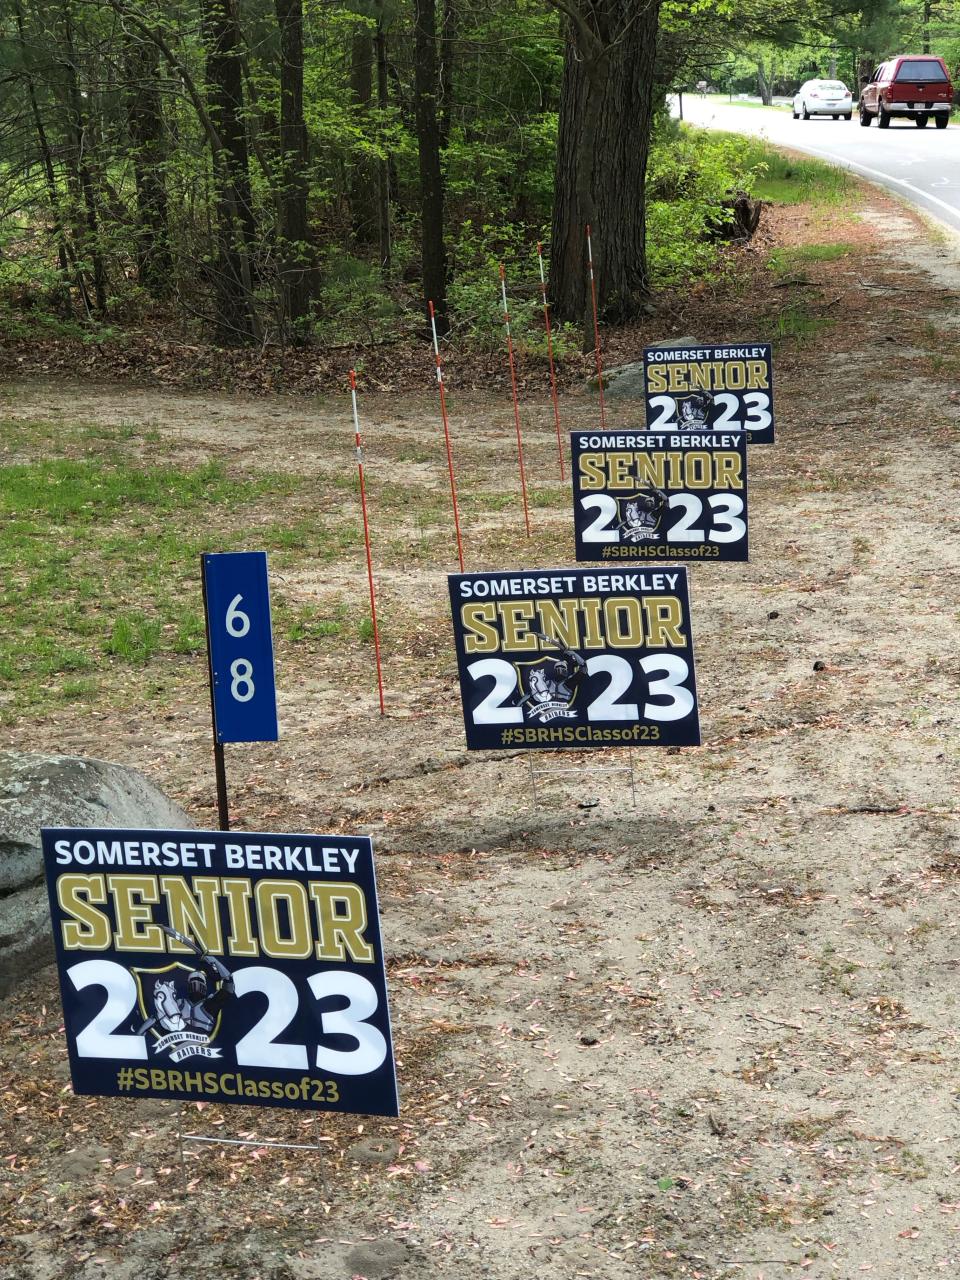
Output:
x=834 y=84
x=921 y=71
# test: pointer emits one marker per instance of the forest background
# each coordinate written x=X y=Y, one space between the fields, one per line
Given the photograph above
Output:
x=276 y=172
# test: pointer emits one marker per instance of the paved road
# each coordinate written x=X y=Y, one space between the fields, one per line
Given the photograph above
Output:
x=922 y=165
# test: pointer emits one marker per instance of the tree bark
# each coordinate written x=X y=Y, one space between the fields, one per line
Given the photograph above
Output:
x=383 y=169
x=145 y=128
x=606 y=117
x=46 y=159
x=426 y=87
x=236 y=320
x=763 y=84
x=78 y=133
x=296 y=255
x=448 y=39
x=363 y=182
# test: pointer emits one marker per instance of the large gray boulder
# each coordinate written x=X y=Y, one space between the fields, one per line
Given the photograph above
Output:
x=58 y=791
x=625 y=381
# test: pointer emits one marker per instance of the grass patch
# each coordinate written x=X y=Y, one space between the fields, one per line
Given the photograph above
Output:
x=489 y=501
x=725 y=99
x=99 y=564
x=318 y=538
x=787 y=261
x=83 y=491
x=796 y=321
x=309 y=623
x=786 y=180
x=134 y=637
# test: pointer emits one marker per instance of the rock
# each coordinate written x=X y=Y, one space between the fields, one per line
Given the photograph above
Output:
x=82 y=1164
x=374 y=1151
x=378 y=1259
x=625 y=381
x=58 y=791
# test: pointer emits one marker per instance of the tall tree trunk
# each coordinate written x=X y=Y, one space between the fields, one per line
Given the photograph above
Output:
x=608 y=85
x=363 y=184
x=77 y=129
x=425 y=88
x=296 y=255
x=236 y=320
x=146 y=130
x=383 y=168
x=448 y=37
x=46 y=159
x=763 y=84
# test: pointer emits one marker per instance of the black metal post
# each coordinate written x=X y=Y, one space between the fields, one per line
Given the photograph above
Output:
x=219 y=767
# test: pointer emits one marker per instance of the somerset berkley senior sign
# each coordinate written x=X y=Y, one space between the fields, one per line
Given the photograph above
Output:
x=222 y=966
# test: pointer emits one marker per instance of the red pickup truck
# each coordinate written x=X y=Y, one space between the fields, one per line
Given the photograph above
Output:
x=916 y=85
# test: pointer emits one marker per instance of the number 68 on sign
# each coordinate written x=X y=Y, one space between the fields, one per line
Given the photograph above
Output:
x=240 y=642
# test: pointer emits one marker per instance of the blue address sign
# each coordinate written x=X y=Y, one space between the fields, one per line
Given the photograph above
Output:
x=240 y=643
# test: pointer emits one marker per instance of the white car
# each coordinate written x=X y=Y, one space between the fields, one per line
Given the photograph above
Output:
x=823 y=98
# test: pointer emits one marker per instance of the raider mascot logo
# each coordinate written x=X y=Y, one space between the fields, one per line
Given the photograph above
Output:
x=550 y=684
x=640 y=515
x=695 y=410
x=186 y=1012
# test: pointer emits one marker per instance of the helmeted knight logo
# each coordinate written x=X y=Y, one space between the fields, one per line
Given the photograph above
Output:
x=550 y=683
x=181 y=1004
x=640 y=515
x=695 y=410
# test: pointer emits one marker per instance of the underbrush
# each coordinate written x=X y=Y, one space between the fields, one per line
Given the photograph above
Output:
x=692 y=176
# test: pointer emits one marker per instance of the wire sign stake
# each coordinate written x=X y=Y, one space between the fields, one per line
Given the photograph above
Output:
x=553 y=371
x=516 y=402
x=366 y=537
x=596 y=328
x=446 y=435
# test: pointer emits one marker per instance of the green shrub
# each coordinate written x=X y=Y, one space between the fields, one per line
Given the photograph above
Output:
x=352 y=301
x=476 y=302
x=690 y=175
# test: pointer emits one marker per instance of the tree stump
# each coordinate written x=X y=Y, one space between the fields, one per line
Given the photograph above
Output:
x=741 y=217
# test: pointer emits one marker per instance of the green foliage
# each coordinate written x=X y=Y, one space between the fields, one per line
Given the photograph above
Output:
x=693 y=172
x=477 y=302
x=73 y=192
x=690 y=175
x=351 y=301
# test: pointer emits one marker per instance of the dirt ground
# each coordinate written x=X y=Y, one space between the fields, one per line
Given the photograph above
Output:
x=712 y=1034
